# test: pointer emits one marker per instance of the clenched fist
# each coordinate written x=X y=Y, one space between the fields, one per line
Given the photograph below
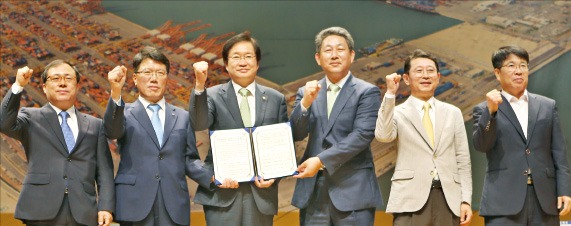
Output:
x=310 y=93
x=201 y=73
x=393 y=81
x=23 y=76
x=494 y=99
x=117 y=78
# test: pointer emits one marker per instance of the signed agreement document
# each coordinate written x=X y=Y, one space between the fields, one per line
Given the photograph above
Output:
x=242 y=154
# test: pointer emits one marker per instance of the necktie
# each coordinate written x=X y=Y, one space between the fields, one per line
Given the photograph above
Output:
x=67 y=134
x=427 y=123
x=156 y=121
x=331 y=96
x=245 y=108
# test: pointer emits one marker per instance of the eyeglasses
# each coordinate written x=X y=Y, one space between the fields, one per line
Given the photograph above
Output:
x=56 y=79
x=237 y=58
x=512 y=67
x=149 y=73
x=428 y=71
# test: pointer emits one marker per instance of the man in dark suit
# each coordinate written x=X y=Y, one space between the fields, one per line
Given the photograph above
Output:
x=339 y=186
x=66 y=150
x=219 y=108
x=527 y=179
x=156 y=144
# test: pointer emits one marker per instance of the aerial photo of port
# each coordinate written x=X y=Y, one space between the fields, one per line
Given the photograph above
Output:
x=95 y=39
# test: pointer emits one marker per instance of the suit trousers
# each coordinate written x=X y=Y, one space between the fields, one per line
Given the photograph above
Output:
x=435 y=212
x=321 y=212
x=158 y=216
x=63 y=217
x=242 y=212
x=530 y=215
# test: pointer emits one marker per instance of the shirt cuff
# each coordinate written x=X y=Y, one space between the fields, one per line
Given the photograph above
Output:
x=388 y=95
x=119 y=102
x=16 y=88
x=198 y=92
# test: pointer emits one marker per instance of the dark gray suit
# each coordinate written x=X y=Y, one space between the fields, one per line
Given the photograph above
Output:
x=217 y=109
x=145 y=165
x=50 y=166
x=510 y=154
x=342 y=143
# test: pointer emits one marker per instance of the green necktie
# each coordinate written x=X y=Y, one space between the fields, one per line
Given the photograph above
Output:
x=245 y=108
x=331 y=96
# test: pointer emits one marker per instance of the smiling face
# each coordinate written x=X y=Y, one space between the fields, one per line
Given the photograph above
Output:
x=513 y=75
x=423 y=78
x=335 y=57
x=60 y=86
x=242 y=65
x=153 y=86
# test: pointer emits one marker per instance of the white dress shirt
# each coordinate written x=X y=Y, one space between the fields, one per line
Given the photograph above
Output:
x=521 y=109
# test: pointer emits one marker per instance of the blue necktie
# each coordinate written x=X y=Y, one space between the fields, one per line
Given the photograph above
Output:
x=156 y=121
x=67 y=134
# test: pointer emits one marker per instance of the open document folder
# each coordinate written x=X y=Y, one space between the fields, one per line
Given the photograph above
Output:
x=242 y=154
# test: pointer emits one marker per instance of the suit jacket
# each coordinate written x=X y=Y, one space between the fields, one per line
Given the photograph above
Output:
x=417 y=158
x=217 y=109
x=50 y=166
x=342 y=143
x=510 y=154
x=145 y=165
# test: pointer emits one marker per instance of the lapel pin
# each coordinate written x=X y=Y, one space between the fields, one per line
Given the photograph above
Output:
x=263 y=97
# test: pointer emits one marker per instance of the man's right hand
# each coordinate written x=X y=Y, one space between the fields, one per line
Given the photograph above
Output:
x=23 y=76
x=227 y=183
x=310 y=93
x=393 y=81
x=494 y=99
x=117 y=78
x=201 y=73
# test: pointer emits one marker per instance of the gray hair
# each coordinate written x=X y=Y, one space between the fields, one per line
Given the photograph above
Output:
x=339 y=31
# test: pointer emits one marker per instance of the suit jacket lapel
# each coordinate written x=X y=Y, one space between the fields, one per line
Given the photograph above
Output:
x=170 y=121
x=320 y=105
x=533 y=112
x=261 y=102
x=342 y=98
x=440 y=116
x=411 y=114
x=506 y=109
x=140 y=114
x=52 y=119
x=83 y=125
x=229 y=96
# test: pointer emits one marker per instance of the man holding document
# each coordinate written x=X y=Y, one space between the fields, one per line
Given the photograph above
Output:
x=240 y=104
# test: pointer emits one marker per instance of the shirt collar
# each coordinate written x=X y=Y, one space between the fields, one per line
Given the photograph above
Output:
x=70 y=111
x=146 y=103
x=251 y=88
x=419 y=104
x=512 y=98
x=340 y=83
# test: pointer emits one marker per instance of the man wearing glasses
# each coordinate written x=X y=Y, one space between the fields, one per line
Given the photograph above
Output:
x=66 y=150
x=527 y=179
x=156 y=144
x=432 y=182
x=237 y=104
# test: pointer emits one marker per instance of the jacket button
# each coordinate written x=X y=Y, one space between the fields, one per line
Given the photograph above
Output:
x=157 y=176
x=65 y=177
x=161 y=157
x=527 y=151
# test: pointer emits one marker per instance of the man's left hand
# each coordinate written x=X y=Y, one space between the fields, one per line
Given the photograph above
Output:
x=261 y=183
x=564 y=204
x=309 y=168
x=465 y=214
x=105 y=218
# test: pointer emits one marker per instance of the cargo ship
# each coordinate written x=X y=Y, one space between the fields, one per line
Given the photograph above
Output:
x=380 y=46
x=427 y=6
